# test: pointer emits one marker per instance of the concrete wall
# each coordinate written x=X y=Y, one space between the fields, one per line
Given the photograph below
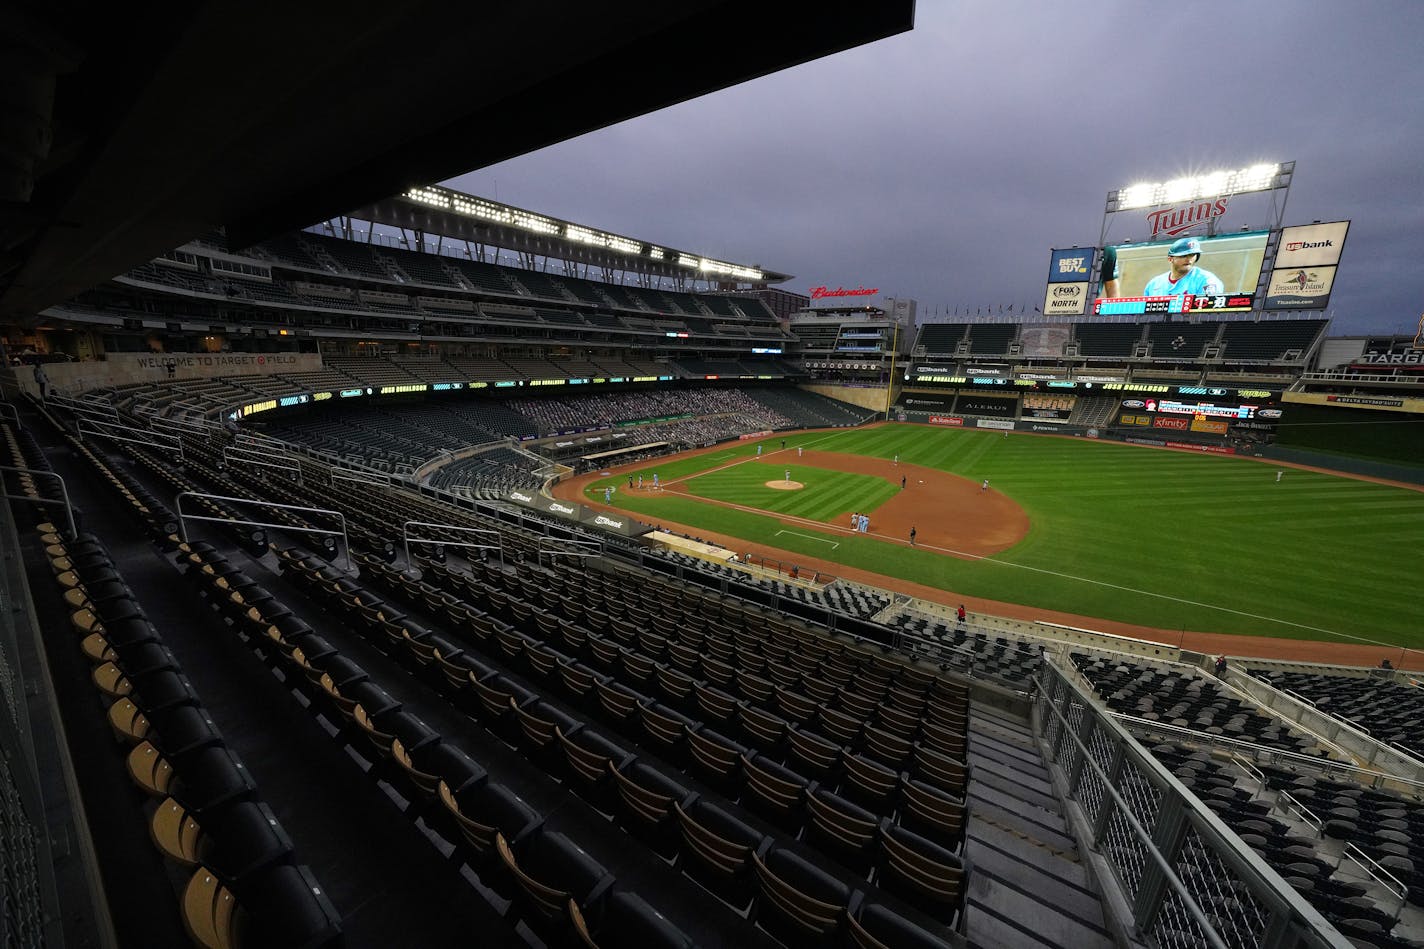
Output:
x=121 y=369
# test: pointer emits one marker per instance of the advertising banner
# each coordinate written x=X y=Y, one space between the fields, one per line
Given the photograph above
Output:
x=1167 y=421
x=946 y=420
x=620 y=524
x=1313 y=245
x=1214 y=449
x=995 y=423
x=538 y=502
x=987 y=405
x=1070 y=266
x=1135 y=420
x=1065 y=299
x=1209 y=425
x=1300 y=288
x=927 y=403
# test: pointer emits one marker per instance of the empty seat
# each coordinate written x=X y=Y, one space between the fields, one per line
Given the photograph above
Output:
x=922 y=873
x=719 y=848
x=553 y=872
x=800 y=903
x=627 y=922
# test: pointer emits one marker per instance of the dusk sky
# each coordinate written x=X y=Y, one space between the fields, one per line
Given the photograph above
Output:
x=944 y=164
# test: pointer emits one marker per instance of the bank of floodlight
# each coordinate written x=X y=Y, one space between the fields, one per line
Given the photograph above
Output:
x=503 y=214
x=1261 y=177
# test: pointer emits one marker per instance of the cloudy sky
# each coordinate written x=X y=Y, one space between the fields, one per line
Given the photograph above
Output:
x=944 y=164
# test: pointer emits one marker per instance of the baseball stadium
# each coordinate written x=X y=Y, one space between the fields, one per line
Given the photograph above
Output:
x=387 y=565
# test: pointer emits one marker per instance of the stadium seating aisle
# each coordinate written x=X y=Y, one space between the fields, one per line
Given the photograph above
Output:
x=302 y=782
x=175 y=751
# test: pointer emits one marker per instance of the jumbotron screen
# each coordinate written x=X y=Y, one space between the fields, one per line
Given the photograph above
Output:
x=1227 y=273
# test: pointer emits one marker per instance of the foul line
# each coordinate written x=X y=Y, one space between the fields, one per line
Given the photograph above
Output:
x=734 y=464
x=1160 y=596
x=834 y=543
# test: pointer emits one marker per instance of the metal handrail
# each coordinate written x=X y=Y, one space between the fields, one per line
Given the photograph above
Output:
x=245 y=455
x=1295 y=758
x=240 y=522
x=1382 y=876
x=1301 y=811
x=157 y=445
x=1290 y=909
x=63 y=493
x=1143 y=836
x=407 y=539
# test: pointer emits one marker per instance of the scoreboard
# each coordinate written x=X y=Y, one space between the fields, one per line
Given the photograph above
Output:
x=1181 y=303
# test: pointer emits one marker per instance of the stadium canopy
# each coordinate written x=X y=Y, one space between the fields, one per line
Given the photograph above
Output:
x=130 y=129
x=433 y=210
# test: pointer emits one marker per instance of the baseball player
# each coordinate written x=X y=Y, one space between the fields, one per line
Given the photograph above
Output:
x=1184 y=276
x=1111 y=273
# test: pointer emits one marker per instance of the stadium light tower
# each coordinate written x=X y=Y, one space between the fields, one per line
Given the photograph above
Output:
x=1200 y=193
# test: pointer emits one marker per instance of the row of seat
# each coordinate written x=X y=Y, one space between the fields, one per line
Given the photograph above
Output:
x=245 y=888
x=1297 y=856
x=783 y=725
x=718 y=637
x=961 y=831
x=566 y=743
x=552 y=883
x=1388 y=711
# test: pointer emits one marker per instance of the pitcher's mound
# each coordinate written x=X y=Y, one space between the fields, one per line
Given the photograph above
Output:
x=780 y=485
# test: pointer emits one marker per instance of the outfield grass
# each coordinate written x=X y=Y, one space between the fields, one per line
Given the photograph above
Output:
x=1165 y=539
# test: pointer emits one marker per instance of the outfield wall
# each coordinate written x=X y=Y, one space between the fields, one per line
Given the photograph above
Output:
x=867 y=397
x=1347 y=464
x=1386 y=435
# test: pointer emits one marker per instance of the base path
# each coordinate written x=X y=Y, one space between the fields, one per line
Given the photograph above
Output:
x=956 y=515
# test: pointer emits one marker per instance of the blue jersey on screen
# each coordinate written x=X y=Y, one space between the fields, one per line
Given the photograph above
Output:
x=1197 y=282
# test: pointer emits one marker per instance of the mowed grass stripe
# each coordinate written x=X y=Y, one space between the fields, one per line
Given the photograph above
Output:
x=827 y=493
x=1315 y=551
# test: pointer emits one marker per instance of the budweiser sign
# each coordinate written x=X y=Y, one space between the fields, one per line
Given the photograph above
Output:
x=818 y=293
x=1170 y=222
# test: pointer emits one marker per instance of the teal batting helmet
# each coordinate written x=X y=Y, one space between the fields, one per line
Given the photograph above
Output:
x=1184 y=246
